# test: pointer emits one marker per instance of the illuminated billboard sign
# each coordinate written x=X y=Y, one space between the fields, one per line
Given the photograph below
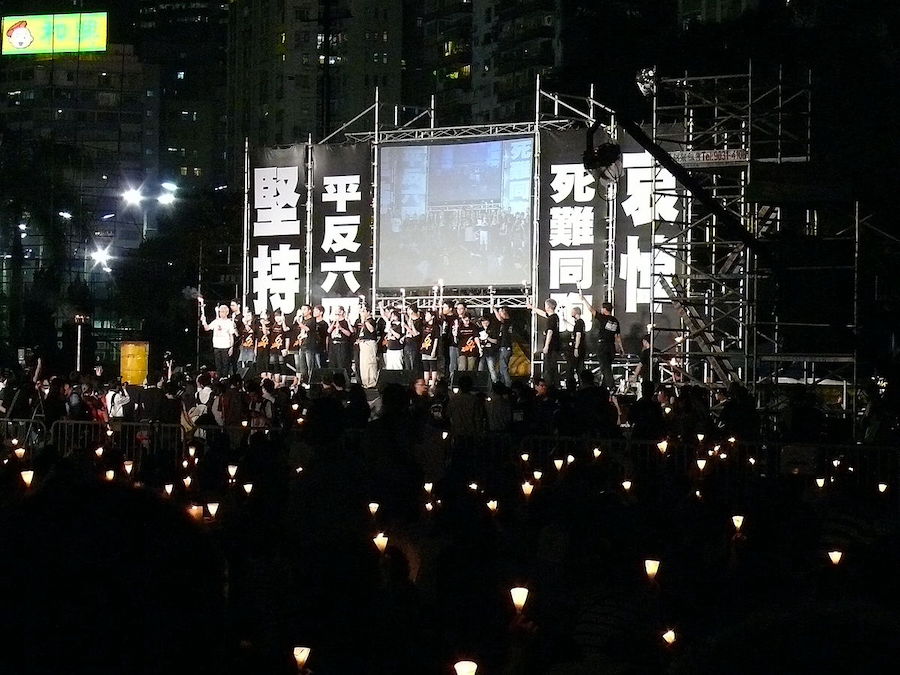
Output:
x=54 y=33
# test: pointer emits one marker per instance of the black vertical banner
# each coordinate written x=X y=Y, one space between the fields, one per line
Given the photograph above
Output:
x=644 y=191
x=342 y=226
x=277 y=229
x=572 y=226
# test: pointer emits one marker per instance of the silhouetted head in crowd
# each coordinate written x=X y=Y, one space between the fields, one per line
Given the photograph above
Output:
x=464 y=383
x=394 y=400
x=108 y=580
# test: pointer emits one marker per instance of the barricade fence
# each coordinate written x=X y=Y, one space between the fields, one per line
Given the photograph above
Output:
x=736 y=462
x=23 y=435
x=134 y=441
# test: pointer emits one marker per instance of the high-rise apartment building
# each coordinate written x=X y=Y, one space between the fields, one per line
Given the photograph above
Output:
x=303 y=69
x=712 y=11
x=187 y=40
x=105 y=107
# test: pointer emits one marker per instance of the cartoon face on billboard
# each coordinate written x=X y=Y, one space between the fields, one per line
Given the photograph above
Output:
x=19 y=35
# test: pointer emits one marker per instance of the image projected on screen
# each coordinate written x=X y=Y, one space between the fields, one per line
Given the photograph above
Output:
x=457 y=212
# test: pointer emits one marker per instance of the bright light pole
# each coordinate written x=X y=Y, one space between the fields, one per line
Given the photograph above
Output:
x=80 y=321
x=134 y=197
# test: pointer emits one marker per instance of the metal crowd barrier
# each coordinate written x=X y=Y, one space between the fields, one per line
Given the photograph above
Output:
x=135 y=440
x=742 y=464
x=26 y=434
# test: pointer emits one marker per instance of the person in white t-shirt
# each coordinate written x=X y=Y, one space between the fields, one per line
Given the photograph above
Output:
x=223 y=334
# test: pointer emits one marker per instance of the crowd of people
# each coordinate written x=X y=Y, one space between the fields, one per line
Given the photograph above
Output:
x=565 y=491
x=121 y=580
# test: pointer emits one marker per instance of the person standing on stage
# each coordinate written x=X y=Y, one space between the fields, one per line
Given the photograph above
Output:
x=467 y=344
x=429 y=348
x=444 y=322
x=247 y=338
x=393 y=356
x=339 y=341
x=309 y=344
x=237 y=318
x=278 y=336
x=505 y=344
x=576 y=350
x=489 y=341
x=609 y=341
x=367 y=338
x=412 y=356
x=262 y=344
x=321 y=334
x=455 y=321
x=550 y=347
x=643 y=368
x=224 y=333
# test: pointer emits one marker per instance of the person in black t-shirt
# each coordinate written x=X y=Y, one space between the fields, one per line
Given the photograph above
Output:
x=309 y=343
x=278 y=334
x=505 y=344
x=489 y=338
x=575 y=356
x=467 y=343
x=429 y=349
x=393 y=356
x=412 y=357
x=262 y=344
x=643 y=368
x=339 y=340
x=445 y=321
x=321 y=334
x=550 y=347
x=609 y=340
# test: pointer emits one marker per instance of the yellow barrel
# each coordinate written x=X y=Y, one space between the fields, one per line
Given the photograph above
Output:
x=133 y=361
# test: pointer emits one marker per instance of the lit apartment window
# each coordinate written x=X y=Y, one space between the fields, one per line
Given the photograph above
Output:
x=183 y=170
x=179 y=75
x=198 y=171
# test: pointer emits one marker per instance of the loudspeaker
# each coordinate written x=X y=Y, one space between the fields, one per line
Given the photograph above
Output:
x=317 y=373
x=481 y=380
x=404 y=378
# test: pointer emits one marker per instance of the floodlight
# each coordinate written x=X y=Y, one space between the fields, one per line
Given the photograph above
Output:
x=132 y=196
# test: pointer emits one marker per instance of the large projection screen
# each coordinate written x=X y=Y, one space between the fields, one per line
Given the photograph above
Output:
x=460 y=212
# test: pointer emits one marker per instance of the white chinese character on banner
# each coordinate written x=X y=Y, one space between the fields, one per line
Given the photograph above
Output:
x=571 y=225
x=340 y=234
x=635 y=268
x=276 y=279
x=571 y=180
x=340 y=266
x=275 y=198
x=639 y=168
x=340 y=190
x=564 y=304
x=571 y=267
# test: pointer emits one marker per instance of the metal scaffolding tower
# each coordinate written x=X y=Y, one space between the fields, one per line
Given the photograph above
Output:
x=719 y=127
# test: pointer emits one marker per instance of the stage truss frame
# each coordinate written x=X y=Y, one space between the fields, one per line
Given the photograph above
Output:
x=764 y=117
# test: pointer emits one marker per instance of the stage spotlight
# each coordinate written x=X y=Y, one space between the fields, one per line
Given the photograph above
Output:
x=646 y=81
x=603 y=161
